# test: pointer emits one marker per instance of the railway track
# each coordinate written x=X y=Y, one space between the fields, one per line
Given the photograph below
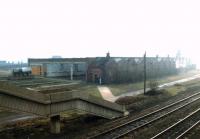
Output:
x=185 y=133
x=133 y=125
x=180 y=128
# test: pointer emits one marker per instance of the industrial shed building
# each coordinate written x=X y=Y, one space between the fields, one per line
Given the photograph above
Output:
x=129 y=69
x=105 y=69
x=59 y=67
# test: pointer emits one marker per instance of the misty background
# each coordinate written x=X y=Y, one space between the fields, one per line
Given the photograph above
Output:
x=41 y=29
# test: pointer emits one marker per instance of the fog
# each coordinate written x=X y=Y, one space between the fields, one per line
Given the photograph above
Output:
x=91 y=28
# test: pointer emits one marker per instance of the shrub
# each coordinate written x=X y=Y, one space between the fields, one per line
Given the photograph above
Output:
x=128 y=100
x=153 y=85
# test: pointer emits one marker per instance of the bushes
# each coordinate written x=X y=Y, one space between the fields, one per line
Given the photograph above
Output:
x=128 y=100
x=153 y=84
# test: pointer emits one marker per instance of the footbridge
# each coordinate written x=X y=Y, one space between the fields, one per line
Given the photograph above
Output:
x=53 y=104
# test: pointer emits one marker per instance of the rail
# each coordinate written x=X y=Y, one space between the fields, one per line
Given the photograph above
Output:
x=135 y=124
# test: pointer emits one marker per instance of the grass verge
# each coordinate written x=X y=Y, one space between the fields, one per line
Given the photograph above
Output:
x=118 y=89
x=142 y=101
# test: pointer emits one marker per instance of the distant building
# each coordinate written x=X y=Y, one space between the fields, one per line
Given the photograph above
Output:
x=128 y=69
x=58 y=67
x=105 y=69
x=3 y=63
x=56 y=57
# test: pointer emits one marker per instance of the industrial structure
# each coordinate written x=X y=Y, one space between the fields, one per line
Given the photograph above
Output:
x=21 y=96
x=59 y=67
x=107 y=69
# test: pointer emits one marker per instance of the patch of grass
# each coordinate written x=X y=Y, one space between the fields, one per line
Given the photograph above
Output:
x=154 y=92
x=54 y=90
x=92 y=90
x=147 y=101
x=179 y=76
x=153 y=97
x=192 y=82
x=118 y=89
x=174 y=90
x=141 y=101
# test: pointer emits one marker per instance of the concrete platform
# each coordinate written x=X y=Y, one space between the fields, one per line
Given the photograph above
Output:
x=48 y=105
x=51 y=105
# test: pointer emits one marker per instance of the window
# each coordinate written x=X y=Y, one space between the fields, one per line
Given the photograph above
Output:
x=76 y=67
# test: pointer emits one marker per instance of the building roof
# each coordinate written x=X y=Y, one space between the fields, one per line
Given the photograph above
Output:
x=47 y=60
x=93 y=60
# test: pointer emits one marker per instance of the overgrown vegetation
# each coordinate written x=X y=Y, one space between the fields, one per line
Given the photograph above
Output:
x=92 y=90
x=127 y=100
x=142 y=99
x=118 y=89
x=153 y=85
x=136 y=103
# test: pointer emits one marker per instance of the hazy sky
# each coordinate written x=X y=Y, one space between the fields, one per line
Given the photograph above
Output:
x=81 y=28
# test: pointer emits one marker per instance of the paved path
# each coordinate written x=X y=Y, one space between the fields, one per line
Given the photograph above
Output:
x=107 y=94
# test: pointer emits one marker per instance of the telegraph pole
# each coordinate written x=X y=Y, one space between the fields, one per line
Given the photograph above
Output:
x=145 y=72
x=71 y=71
